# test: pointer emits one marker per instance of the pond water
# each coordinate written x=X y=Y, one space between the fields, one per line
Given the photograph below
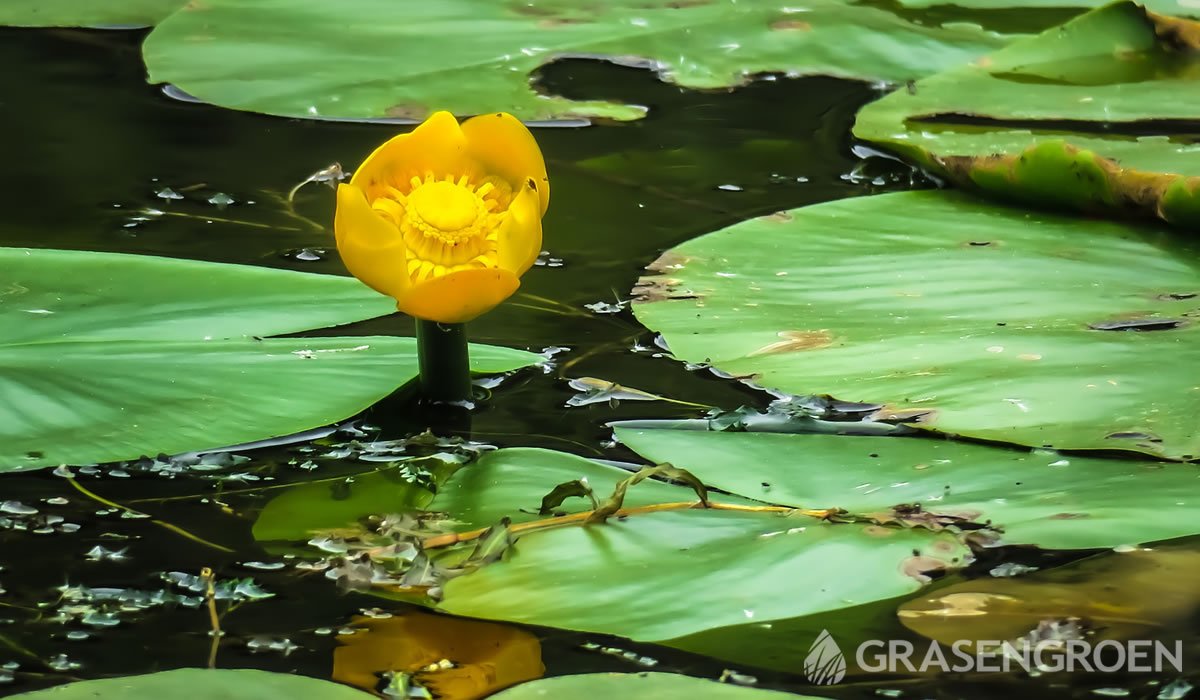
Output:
x=90 y=147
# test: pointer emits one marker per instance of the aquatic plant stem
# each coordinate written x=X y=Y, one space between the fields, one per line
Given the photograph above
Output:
x=173 y=528
x=444 y=362
x=210 y=599
x=452 y=538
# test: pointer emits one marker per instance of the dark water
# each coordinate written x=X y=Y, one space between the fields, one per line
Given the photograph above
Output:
x=87 y=145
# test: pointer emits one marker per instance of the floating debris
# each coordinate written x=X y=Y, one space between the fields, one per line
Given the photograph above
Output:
x=306 y=254
x=220 y=200
x=17 y=508
x=1009 y=569
x=603 y=307
x=281 y=645
x=99 y=553
x=544 y=259
x=1175 y=690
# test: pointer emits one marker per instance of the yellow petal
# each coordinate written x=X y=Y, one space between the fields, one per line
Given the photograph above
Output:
x=370 y=245
x=503 y=146
x=436 y=145
x=520 y=236
x=459 y=296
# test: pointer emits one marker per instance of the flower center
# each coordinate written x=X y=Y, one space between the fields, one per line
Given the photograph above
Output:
x=447 y=224
x=444 y=210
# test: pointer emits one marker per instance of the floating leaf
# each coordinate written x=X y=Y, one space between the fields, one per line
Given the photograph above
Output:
x=1054 y=501
x=1073 y=117
x=953 y=315
x=403 y=60
x=228 y=684
x=646 y=575
x=98 y=368
x=640 y=686
x=120 y=14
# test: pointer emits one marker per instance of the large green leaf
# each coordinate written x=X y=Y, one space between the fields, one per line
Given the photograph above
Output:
x=1076 y=117
x=56 y=295
x=109 y=357
x=472 y=56
x=657 y=575
x=86 y=13
x=1033 y=498
x=984 y=319
x=227 y=684
x=639 y=686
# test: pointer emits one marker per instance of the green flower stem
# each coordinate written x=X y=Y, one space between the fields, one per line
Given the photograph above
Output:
x=444 y=362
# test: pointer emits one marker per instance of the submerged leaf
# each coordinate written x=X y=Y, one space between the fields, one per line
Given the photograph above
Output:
x=1129 y=595
x=456 y=659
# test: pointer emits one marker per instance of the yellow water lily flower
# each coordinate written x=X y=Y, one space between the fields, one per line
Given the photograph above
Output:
x=445 y=219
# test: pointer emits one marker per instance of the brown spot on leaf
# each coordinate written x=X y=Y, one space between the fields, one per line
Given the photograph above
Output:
x=919 y=567
x=407 y=110
x=1069 y=516
x=790 y=25
x=911 y=515
x=796 y=341
x=659 y=288
x=780 y=216
x=658 y=285
x=667 y=262
x=554 y=22
x=1176 y=296
x=1178 y=33
x=879 y=531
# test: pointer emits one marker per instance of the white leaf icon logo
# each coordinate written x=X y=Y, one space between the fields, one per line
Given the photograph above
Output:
x=825 y=664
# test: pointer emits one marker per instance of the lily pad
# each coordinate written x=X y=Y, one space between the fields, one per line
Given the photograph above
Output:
x=110 y=357
x=228 y=684
x=955 y=315
x=639 y=686
x=1039 y=498
x=121 y=14
x=390 y=59
x=1073 y=117
x=648 y=575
